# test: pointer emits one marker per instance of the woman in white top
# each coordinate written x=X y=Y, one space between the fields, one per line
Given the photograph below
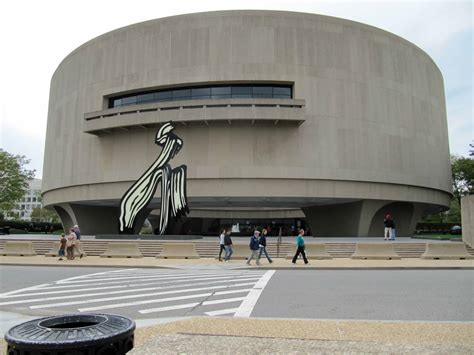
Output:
x=71 y=241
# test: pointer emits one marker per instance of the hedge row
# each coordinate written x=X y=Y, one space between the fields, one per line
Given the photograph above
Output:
x=32 y=226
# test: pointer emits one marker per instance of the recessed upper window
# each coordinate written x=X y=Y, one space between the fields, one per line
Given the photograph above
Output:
x=205 y=92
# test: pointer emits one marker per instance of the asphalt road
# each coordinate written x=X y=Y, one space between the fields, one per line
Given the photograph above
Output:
x=434 y=295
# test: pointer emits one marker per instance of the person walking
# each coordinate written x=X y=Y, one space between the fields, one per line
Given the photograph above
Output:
x=71 y=241
x=263 y=246
x=300 y=248
x=393 y=231
x=78 y=245
x=227 y=247
x=62 y=247
x=254 y=248
x=388 y=223
x=221 y=244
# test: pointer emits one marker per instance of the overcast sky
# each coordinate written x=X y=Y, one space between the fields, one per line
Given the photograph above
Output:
x=37 y=35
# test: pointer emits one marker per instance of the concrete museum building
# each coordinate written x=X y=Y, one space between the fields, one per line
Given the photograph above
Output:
x=282 y=116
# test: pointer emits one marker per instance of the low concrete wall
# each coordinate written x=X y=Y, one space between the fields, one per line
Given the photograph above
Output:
x=467 y=219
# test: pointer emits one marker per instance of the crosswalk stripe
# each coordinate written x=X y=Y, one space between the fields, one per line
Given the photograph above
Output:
x=139 y=287
x=114 y=292
x=15 y=292
x=82 y=276
x=240 y=278
x=93 y=300
x=221 y=312
x=88 y=309
x=225 y=300
x=76 y=290
x=156 y=278
x=121 y=279
x=138 y=303
x=205 y=303
x=58 y=292
x=250 y=301
x=172 y=308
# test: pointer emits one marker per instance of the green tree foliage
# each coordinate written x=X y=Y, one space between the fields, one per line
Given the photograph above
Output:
x=14 y=178
x=43 y=215
x=463 y=176
x=462 y=170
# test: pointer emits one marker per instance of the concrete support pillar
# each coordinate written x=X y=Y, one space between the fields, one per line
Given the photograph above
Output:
x=467 y=219
x=341 y=220
x=402 y=214
x=97 y=219
x=369 y=209
x=66 y=215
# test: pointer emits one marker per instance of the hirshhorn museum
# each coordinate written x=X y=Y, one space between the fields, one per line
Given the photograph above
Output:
x=244 y=119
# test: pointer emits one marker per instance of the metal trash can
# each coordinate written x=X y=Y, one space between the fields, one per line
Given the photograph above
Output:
x=74 y=334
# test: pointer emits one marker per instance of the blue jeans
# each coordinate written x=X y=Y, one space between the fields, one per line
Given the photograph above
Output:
x=228 y=252
x=264 y=250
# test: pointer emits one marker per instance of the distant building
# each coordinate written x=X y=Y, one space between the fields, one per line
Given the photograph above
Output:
x=31 y=200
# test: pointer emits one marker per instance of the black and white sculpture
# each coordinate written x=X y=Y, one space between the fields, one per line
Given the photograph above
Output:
x=173 y=185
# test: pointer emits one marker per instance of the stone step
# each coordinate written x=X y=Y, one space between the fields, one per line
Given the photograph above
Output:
x=211 y=249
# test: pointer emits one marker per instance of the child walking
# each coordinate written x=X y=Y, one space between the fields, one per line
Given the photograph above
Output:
x=62 y=247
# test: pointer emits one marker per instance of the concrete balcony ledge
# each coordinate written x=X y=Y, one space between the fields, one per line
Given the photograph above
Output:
x=206 y=112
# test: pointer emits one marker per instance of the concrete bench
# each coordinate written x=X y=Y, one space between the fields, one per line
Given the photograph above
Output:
x=178 y=251
x=239 y=252
x=450 y=250
x=20 y=248
x=54 y=249
x=313 y=251
x=380 y=251
x=122 y=250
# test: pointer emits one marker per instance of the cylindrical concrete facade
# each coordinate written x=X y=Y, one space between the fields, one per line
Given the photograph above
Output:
x=364 y=133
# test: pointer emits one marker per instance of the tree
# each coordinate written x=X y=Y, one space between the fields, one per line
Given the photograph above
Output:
x=14 y=178
x=43 y=215
x=463 y=176
x=462 y=170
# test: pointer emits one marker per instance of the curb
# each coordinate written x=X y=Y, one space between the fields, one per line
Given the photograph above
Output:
x=325 y=268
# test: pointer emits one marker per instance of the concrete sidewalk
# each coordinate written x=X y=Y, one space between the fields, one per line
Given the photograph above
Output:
x=223 y=335
x=148 y=262
x=290 y=336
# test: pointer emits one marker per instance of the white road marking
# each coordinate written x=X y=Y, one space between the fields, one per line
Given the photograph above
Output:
x=225 y=300
x=159 y=300
x=250 y=301
x=114 y=292
x=121 y=279
x=22 y=290
x=221 y=312
x=132 y=284
x=66 y=291
x=157 y=279
x=224 y=279
x=89 y=275
x=88 y=309
x=205 y=303
x=172 y=308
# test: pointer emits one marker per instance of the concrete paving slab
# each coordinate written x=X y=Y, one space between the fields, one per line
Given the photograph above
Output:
x=231 y=335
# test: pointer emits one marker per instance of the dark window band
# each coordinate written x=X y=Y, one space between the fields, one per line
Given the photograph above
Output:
x=205 y=92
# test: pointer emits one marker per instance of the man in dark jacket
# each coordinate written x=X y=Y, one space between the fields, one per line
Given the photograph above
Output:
x=263 y=246
x=255 y=248
x=227 y=247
